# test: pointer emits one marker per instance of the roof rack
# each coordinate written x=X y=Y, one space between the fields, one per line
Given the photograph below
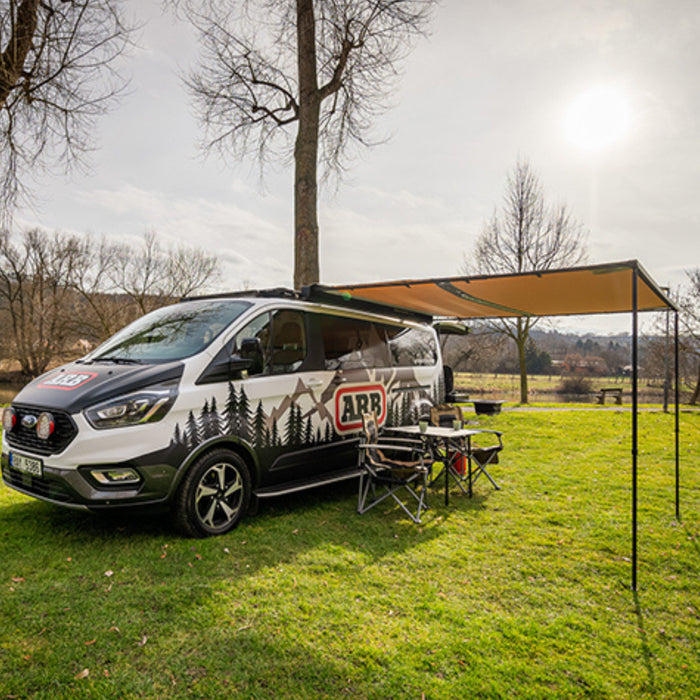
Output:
x=274 y=292
x=323 y=295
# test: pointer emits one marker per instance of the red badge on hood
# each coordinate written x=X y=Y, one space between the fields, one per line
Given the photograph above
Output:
x=67 y=381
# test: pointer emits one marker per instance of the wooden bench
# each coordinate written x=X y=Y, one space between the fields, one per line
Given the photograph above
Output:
x=615 y=392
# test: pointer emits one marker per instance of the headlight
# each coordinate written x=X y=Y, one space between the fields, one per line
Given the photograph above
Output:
x=45 y=426
x=146 y=406
x=9 y=419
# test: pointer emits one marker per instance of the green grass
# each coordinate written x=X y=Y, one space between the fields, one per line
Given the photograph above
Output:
x=520 y=593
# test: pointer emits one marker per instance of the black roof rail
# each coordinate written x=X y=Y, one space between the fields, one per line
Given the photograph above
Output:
x=322 y=295
x=274 y=293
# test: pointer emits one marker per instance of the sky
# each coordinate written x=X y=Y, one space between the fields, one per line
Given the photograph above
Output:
x=600 y=97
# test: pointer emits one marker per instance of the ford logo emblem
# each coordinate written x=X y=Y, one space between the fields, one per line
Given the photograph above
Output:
x=29 y=421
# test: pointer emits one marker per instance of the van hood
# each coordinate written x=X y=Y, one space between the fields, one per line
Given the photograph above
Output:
x=77 y=385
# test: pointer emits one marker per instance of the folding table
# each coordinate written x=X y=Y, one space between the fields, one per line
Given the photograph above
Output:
x=451 y=440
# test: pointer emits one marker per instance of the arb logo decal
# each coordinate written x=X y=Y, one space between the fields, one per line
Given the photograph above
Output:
x=352 y=401
x=67 y=380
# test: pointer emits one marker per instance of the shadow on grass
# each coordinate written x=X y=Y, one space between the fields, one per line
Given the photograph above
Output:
x=325 y=516
x=647 y=653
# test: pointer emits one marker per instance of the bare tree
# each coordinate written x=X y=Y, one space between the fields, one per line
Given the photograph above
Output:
x=59 y=290
x=57 y=75
x=690 y=315
x=153 y=276
x=103 y=309
x=35 y=279
x=526 y=235
x=301 y=79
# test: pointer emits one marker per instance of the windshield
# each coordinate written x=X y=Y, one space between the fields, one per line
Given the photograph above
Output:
x=171 y=333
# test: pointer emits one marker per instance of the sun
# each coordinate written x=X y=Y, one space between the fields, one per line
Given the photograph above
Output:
x=598 y=118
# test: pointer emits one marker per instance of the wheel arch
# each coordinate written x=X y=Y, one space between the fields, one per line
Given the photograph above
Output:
x=242 y=448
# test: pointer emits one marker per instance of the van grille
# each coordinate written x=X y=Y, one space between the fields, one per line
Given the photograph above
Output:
x=27 y=439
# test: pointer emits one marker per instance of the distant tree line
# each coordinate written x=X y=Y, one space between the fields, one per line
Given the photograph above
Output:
x=61 y=294
x=555 y=353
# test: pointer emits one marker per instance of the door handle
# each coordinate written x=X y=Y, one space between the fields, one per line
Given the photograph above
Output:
x=314 y=381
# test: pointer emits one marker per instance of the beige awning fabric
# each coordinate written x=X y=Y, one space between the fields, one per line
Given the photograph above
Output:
x=595 y=289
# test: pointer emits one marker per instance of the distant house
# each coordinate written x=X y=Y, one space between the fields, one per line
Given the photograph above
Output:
x=580 y=364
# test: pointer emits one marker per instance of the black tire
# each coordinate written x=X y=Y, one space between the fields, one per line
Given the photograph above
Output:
x=214 y=494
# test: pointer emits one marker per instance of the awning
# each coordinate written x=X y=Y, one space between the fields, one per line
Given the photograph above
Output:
x=593 y=289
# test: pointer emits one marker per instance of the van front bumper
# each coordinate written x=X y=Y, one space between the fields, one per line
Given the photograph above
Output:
x=77 y=488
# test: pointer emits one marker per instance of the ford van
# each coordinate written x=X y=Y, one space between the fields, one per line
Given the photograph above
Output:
x=212 y=403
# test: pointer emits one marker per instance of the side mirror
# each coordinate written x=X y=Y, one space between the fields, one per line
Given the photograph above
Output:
x=251 y=347
x=252 y=352
x=223 y=368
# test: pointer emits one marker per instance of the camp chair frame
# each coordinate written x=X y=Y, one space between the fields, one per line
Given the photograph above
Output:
x=479 y=458
x=390 y=468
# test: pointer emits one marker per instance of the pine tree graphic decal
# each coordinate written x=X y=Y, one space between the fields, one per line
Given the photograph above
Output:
x=191 y=432
x=244 y=416
x=259 y=426
x=231 y=415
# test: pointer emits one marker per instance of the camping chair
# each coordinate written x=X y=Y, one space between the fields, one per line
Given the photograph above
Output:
x=391 y=467
x=485 y=456
x=462 y=469
x=445 y=414
x=481 y=457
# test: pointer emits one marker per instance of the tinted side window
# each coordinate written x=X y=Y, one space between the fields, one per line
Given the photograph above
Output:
x=412 y=347
x=288 y=341
x=282 y=339
x=350 y=343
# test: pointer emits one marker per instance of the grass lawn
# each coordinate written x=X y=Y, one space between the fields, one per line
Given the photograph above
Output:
x=519 y=593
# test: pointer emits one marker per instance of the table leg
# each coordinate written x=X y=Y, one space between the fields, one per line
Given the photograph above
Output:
x=469 y=459
x=448 y=463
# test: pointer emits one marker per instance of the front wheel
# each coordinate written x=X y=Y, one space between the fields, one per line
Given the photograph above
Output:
x=214 y=494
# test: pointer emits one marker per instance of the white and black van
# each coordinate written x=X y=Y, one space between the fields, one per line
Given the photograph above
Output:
x=208 y=403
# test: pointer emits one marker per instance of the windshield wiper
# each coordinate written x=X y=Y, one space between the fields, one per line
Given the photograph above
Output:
x=118 y=360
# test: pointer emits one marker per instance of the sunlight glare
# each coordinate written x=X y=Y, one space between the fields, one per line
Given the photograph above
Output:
x=598 y=118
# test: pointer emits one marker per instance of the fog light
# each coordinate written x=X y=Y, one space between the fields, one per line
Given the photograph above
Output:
x=9 y=419
x=45 y=426
x=112 y=477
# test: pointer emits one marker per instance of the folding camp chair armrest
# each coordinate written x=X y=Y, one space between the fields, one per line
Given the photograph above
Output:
x=387 y=445
x=498 y=433
x=402 y=441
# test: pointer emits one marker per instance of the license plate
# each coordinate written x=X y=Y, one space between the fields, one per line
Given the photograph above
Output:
x=28 y=465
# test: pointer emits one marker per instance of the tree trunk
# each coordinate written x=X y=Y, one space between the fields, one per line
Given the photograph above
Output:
x=18 y=45
x=696 y=392
x=306 y=268
x=521 y=342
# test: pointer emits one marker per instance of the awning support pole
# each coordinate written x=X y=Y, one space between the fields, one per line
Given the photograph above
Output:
x=635 y=407
x=678 y=429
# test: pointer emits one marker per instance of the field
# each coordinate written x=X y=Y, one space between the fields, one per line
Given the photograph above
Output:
x=544 y=388
x=517 y=593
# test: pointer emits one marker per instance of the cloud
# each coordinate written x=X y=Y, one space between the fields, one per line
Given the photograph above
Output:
x=249 y=246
